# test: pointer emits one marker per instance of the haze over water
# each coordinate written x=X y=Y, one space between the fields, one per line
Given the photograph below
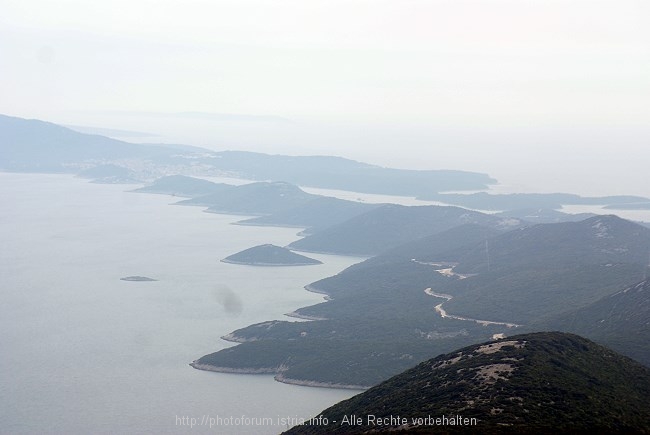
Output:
x=84 y=352
x=545 y=96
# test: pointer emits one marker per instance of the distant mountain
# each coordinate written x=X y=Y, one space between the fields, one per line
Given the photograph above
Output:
x=110 y=132
x=254 y=199
x=620 y=321
x=38 y=146
x=344 y=174
x=315 y=215
x=269 y=255
x=392 y=225
x=546 y=382
x=33 y=145
x=180 y=185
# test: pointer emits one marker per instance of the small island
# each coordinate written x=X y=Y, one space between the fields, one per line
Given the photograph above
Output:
x=269 y=255
x=137 y=278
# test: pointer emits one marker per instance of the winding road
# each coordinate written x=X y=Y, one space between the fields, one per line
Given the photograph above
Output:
x=449 y=271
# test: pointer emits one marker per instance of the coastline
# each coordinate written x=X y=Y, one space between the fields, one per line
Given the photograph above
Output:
x=241 y=371
x=312 y=289
x=279 y=377
x=167 y=193
x=296 y=315
x=232 y=338
x=228 y=213
x=338 y=254
x=262 y=224
x=243 y=263
x=326 y=295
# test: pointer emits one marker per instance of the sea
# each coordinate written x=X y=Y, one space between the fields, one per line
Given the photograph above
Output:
x=83 y=351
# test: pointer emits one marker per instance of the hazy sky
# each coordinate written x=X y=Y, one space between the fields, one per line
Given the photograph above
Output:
x=541 y=94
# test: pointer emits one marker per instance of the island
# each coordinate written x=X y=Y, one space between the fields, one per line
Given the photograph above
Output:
x=269 y=255
x=137 y=278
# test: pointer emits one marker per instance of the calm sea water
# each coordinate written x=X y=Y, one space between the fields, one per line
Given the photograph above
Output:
x=84 y=352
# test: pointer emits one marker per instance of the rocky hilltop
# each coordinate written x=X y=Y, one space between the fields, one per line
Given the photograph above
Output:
x=530 y=383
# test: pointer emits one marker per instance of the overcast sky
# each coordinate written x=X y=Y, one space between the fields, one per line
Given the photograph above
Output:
x=542 y=94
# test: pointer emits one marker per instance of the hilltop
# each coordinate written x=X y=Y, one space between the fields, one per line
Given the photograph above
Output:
x=533 y=383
